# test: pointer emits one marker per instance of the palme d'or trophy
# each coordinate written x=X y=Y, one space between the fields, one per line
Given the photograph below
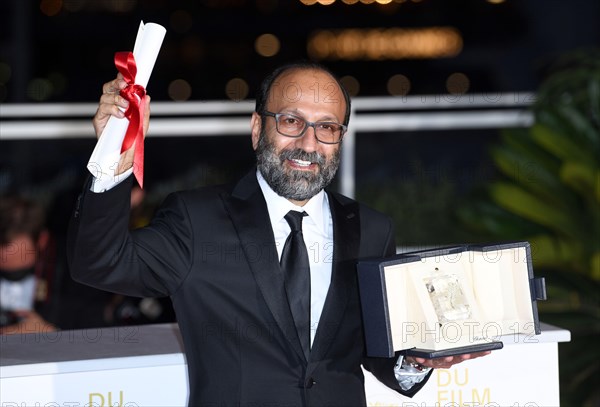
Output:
x=447 y=297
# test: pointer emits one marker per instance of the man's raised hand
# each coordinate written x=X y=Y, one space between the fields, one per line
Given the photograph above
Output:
x=110 y=103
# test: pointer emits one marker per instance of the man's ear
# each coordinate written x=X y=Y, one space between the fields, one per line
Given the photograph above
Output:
x=255 y=125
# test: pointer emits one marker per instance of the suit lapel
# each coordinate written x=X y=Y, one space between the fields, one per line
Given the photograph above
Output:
x=346 y=238
x=248 y=211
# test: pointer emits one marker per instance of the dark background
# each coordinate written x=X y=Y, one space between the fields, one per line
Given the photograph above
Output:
x=61 y=51
x=506 y=46
x=56 y=51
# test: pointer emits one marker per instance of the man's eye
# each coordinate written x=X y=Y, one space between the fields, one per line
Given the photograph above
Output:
x=327 y=126
x=290 y=120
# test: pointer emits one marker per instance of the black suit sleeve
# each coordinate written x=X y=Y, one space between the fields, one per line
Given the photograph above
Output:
x=151 y=261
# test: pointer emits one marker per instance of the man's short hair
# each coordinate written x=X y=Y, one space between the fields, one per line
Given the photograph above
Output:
x=20 y=216
x=262 y=95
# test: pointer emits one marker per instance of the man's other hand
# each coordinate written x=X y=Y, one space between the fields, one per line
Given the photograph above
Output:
x=445 y=362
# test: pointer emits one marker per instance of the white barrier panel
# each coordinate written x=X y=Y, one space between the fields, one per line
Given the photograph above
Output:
x=121 y=366
x=523 y=374
x=144 y=366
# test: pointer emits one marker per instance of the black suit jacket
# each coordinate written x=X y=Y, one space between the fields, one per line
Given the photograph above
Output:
x=213 y=252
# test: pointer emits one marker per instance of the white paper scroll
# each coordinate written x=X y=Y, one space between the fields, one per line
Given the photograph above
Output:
x=105 y=157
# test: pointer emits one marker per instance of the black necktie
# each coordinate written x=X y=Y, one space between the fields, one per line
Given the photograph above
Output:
x=296 y=272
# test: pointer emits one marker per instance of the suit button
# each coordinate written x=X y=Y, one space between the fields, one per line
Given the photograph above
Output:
x=310 y=382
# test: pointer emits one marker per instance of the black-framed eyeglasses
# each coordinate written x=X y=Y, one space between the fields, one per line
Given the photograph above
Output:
x=290 y=125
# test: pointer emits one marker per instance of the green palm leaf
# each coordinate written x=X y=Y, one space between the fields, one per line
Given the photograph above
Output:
x=560 y=145
x=533 y=208
x=548 y=251
x=582 y=178
x=531 y=175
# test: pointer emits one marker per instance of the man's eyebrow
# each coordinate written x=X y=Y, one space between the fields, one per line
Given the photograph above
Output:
x=295 y=112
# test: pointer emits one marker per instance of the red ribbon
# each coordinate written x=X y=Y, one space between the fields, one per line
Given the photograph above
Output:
x=134 y=94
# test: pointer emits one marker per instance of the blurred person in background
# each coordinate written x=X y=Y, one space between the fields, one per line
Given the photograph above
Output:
x=36 y=292
x=27 y=274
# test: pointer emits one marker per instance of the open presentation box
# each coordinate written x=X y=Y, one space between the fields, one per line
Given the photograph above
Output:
x=449 y=301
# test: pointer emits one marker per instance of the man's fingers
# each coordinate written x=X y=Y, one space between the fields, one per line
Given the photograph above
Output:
x=114 y=86
x=108 y=109
x=479 y=354
x=114 y=99
x=113 y=104
x=105 y=110
x=109 y=105
x=449 y=361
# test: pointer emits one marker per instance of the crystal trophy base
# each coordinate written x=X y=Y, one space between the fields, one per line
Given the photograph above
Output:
x=448 y=298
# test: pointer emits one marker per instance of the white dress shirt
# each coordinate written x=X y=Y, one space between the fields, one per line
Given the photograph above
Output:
x=317 y=229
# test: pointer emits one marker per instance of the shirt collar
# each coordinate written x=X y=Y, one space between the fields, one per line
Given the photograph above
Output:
x=278 y=206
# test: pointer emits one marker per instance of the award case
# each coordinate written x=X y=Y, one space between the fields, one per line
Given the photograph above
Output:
x=449 y=301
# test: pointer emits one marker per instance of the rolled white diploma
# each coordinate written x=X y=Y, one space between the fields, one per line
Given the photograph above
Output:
x=105 y=157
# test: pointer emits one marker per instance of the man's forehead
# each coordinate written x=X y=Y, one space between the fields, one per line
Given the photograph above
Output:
x=310 y=77
x=306 y=85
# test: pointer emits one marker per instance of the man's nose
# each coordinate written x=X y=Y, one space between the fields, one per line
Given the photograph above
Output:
x=308 y=142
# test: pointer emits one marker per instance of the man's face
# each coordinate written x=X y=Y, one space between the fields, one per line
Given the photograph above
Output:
x=298 y=168
x=20 y=253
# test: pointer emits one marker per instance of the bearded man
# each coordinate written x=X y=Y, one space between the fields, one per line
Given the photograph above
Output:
x=261 y=273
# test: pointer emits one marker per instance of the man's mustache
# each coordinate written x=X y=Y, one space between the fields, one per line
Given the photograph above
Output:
x=299 y=154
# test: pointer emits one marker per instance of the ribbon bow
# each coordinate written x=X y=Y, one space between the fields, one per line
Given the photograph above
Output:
x=134 y=94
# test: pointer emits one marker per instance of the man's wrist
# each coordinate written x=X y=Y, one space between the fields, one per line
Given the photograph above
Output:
x=409 y=373
x=107 y=183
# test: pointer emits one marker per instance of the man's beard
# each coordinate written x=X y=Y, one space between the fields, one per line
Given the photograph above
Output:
x=290 y=183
